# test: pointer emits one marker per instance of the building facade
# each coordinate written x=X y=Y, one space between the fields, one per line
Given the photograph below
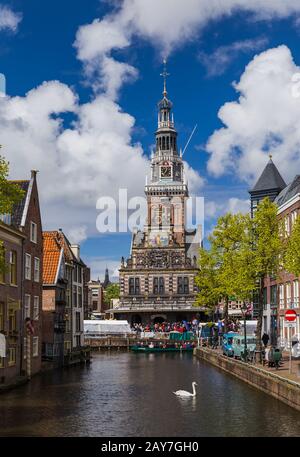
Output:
x=65 y=277
x=157 y=280
x=280 y=293
x=11 y=318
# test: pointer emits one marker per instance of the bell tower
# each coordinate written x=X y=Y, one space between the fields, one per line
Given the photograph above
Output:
x=167 y=191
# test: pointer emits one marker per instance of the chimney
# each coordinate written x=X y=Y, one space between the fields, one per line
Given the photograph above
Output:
x=76 y=250
x=34 y=173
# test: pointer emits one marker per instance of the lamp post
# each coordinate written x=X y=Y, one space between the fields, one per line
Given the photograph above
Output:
x=244 y=310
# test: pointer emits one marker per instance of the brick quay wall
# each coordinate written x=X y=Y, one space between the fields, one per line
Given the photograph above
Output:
x=283 y=389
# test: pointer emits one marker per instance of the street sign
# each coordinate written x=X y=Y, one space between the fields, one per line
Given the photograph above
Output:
x=290 y=315
x=290 y=324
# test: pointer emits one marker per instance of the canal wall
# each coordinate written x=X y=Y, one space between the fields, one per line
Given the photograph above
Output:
x=272 y=384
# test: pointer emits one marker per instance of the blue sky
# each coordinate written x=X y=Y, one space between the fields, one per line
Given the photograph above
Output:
x=204 y=59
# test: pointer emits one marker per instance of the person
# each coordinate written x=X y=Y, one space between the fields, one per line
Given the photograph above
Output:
x=271 y=357
x=266 y=359
x=265 y=339
x=277 y=356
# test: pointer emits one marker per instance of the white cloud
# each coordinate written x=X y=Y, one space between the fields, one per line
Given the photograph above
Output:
x=214 y=209
x=93 y=158
x=264 y=120
x=167 y=24
x=217 y=63
x=9 y=20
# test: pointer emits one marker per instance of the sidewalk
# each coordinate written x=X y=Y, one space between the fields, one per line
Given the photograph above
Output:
x=283 y=370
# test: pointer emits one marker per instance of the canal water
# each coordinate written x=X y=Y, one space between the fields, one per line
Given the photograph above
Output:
x=125 y=394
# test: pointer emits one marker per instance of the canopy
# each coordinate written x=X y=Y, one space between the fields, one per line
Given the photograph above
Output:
x=104 y=327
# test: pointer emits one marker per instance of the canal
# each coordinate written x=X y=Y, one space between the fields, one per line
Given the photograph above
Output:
x=125 y=394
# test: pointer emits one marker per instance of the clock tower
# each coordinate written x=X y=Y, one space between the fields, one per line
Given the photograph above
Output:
x=157 y=281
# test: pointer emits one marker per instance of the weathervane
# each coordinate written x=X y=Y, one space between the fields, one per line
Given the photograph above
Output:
x=165 y=74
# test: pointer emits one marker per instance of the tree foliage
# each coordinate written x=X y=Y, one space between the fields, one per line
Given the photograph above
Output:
x=292 y=254
x=242 y=253
x=10 y=194
x=112 y=291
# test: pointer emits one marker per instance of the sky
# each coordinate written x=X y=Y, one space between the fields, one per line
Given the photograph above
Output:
x=82 y=86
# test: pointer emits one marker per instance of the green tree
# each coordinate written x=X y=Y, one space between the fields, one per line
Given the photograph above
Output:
x=10 y=194
x=112 y=291
x=226 y=269
x=292 y=254
x=268 y=250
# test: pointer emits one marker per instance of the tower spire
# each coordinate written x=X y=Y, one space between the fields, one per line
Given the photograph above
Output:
x=165 y=74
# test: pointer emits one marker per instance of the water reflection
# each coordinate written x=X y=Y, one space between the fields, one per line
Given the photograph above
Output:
x=125 y=394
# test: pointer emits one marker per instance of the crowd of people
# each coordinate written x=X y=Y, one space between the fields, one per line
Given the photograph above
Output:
x=167 y=327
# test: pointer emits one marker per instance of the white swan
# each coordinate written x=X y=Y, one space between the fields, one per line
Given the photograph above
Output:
x=184 y=393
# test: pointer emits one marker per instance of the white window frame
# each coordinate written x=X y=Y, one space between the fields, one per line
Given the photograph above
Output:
x=281 y=296
x=28 y=266
x=35 y=346
x=36 y=271
x=296 y=293
x=33 y=232
x=288 y=294
x=27 y=306
x=36 y=308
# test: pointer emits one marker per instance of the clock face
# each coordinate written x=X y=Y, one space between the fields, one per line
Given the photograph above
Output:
x=165 y=172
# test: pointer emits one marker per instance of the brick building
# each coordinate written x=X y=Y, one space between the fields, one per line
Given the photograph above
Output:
x=280 y=293
x=11 y=322
x=64 y=286
x=26 y=216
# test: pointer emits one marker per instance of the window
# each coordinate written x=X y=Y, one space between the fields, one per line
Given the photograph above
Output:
x=12 y=356
x=78 y=341
x=265 y=298
x=158 y=286
x=6 y=218
x=28 y=266
x=288 y=294
x=1 y=317
x=2 y=271
x=294 y=215
x=24 y=348
x=13 y=268
x=79 y=296
x=74 y=295
x=67 y=346
x=134 y=286
x=273 y=296
x=35 y=346
x=11 y=320
x=287 y=225
x=183 y=285
x=33 y=232
x=78 y=326
x=1 y=362
x=27 y=306
x=68 y=326
x=36 y=308
x=36 y=269
x=281 y=296
x=296 y=293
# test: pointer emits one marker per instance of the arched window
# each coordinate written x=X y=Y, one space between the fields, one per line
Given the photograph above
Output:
x=168 y=145
x=163 y=143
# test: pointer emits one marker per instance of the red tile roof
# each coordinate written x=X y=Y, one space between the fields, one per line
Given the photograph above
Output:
x=51 y=256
